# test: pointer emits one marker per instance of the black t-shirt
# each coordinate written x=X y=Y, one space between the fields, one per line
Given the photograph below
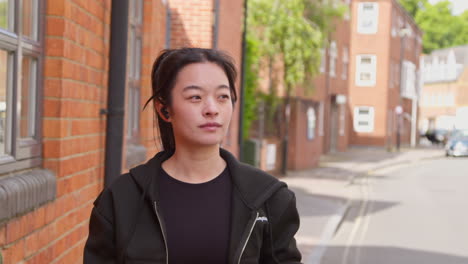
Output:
x=197 y=218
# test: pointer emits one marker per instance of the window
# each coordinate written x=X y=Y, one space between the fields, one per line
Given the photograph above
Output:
x=366 y=70
x=344 y=71
x=135 y=152
x=321 y=119
x=20 y=66
x=26 y=186
x=333 y=55
x=408 y=88
x=394 y=23
x=311 y=120
x=368 y=17
x=323 y=61
x=364 y=119
x=134 y=69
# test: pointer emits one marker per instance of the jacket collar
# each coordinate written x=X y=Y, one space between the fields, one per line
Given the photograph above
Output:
x=253 y=190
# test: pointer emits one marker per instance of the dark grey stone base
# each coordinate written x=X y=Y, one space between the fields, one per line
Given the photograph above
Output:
x=25 y=191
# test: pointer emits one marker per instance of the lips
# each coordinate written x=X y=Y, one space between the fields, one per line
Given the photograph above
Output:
x=211 y=125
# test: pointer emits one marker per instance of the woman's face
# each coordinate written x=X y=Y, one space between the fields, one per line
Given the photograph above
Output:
x=201 y=106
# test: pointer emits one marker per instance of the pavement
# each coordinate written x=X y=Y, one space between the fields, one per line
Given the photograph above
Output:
x=324 y=194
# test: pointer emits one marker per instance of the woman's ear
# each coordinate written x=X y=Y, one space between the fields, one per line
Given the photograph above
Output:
x=162 y=111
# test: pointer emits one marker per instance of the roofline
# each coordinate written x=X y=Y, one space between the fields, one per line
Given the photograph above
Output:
x=408 y=16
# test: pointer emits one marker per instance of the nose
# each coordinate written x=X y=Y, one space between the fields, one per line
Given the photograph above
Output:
x=210 y=108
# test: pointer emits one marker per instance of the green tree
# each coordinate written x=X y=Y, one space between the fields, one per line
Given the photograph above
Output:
x=437 y=24
x=461 y=28
x=293 y=32
x=290 y=33
x=413 y=7
x=3 y=11
x=441 y=28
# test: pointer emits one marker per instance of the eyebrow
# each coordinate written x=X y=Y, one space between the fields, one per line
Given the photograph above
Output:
x=195 y=87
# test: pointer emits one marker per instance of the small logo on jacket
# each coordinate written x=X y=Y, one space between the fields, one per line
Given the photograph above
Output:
x=262 y=219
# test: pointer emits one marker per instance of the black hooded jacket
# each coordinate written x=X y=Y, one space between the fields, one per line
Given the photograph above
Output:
x=126 y=225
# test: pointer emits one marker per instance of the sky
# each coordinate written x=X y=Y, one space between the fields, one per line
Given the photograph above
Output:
x=458 y=5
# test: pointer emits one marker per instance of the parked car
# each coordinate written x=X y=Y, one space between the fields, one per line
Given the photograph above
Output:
x=457 y=146
x=437 y=136
x=458 y=133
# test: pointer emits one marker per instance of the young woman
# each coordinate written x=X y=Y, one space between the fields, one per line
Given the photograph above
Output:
x=194 y=202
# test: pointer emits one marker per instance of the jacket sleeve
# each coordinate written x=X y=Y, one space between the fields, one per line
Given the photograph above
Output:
x=100 y=246
x=284 y=223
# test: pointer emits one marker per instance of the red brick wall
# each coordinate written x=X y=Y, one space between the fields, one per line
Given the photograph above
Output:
x=382 y=96
x=154 y=30
x=192 y=26
x=191 y=23
x=75 y=89
x=77 y=33
x=303 y=153
x=230 y=40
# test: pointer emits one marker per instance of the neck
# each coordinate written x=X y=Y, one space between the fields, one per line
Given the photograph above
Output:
x=195 y=165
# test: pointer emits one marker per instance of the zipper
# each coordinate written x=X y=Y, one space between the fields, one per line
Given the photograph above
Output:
x=248 y=237
x=162 y=231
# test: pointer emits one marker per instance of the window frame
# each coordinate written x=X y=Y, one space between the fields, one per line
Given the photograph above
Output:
x=345 y=61
x=363 y=16
x=372 y=70
x=332 y=59
x=311 y=116
x=135 y=151
x=323 y=60
x=357 y=118
x=22 y=153
x=135 y=53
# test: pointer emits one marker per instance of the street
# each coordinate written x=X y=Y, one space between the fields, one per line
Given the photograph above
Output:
x=409 y=213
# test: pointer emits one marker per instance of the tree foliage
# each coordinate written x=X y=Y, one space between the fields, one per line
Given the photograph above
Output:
x=286 y=32
x=441 y=28
x=414 y=6
x=292 y=31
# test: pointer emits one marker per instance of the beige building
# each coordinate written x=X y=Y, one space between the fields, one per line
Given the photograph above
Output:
x=444 y=97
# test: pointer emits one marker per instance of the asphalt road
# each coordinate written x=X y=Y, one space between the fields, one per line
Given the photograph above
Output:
x=411 y=214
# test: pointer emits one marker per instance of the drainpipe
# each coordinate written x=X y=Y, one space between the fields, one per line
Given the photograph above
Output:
x=242 y=83
x=116 y=91
x=215 y=24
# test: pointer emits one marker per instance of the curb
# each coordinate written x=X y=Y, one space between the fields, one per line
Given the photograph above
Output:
x=334 y=224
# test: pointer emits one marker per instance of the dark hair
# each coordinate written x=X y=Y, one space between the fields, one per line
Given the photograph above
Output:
x=164 y=73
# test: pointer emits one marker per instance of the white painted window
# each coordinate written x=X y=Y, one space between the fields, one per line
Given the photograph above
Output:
x=333 y=55
x=368 y=17
x=311 y=121
x=321 y=119
x=344 y=71
x=323 y=61
x=409 y=80
x=366 y=70
x=394 y=23
x=364 y=119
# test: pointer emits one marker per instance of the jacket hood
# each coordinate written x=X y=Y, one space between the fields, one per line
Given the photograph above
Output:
x=254 y=185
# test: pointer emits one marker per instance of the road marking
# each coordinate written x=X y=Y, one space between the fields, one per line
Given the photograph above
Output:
x=359 y=218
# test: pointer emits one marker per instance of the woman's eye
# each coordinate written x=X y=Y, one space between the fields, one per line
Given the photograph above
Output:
x=224 y=96
x=195 y=97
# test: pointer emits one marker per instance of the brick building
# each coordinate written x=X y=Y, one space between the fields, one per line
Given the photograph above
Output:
x=384 y=61
x=319 y=120
x=54 y=90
